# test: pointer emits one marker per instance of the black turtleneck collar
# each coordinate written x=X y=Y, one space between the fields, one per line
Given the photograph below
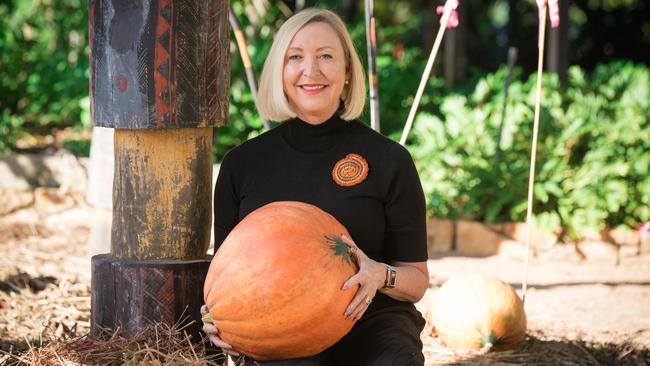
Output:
x=309 y=138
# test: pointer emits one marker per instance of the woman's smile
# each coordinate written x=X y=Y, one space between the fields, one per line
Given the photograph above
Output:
x=312 y=89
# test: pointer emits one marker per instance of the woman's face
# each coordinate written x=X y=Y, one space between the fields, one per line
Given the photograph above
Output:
x=314 y=72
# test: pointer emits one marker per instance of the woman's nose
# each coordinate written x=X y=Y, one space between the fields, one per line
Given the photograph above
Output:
x=311 y=67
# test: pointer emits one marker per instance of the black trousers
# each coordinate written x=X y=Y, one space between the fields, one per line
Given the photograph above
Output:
x=388 y=337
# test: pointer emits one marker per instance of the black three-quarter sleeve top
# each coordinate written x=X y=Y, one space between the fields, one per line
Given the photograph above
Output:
x=384 y=213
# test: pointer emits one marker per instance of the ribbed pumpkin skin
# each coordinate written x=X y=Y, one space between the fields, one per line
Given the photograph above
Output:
x=274 y=286
x=468 y=308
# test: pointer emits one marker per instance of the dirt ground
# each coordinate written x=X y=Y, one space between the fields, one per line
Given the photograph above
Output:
x=590 y=300
x=592 y=306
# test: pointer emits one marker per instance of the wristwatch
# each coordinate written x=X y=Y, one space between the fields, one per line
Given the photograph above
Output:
x=391 y=277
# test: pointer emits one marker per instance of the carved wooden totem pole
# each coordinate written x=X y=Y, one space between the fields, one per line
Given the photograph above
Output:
x=160 y=75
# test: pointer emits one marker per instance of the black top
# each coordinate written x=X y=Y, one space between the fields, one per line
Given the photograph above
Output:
x=384 y=214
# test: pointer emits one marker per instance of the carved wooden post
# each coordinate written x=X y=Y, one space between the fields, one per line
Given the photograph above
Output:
x=160 y=74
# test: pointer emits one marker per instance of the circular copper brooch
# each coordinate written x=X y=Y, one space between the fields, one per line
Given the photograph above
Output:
x=350 y=171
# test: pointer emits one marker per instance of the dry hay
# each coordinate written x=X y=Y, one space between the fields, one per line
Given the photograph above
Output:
x=157 y=344
x=160 y=344
x=540 y=350
x=29 y=306
x=43 y=284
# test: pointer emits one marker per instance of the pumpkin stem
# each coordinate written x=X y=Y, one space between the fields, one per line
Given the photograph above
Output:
x=489 y=340
x=340 y=248
x=207 y=318
x=485 y=348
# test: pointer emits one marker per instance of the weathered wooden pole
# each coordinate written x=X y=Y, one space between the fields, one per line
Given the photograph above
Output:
x=371 y=45
x=240 y=37
x=455 y=54
x=160 y=74
x=558 y=45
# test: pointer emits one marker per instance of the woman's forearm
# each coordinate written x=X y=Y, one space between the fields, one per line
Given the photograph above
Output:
x=411 y=282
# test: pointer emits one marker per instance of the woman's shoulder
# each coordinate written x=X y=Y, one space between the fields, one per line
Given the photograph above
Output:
x=247 y=153
x=255 y=145
x=377 y=140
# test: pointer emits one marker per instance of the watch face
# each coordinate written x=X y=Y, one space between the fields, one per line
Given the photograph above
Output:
x=391 y=277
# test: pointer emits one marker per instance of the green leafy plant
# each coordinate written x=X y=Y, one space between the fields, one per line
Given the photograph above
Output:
x=593 y=166
x=44 y=63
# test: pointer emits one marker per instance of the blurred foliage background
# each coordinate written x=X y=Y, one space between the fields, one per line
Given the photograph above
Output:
x=593 y=154
x=593 y=163
x=43 y=71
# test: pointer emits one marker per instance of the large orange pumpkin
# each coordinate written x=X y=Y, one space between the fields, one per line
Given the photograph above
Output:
x=473 y=310
x=274 y=286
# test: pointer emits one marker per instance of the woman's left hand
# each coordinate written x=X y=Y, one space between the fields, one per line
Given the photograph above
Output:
x=370 y=277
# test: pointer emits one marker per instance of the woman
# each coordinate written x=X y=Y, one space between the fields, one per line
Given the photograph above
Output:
x=313 y=80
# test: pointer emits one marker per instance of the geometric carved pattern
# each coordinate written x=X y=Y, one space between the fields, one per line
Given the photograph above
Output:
x=164 y=40
x=164 y=95
x=180 y=74
x=132 y=294
x=166 y=12
x=163 y=69
x=161 y=61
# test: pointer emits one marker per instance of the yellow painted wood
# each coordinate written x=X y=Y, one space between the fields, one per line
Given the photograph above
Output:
x=162 y=193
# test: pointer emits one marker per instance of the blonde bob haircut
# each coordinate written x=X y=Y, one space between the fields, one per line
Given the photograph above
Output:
x=271 y=100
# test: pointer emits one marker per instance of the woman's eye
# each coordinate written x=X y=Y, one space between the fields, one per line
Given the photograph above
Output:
x=326 y=56
x=294 y=57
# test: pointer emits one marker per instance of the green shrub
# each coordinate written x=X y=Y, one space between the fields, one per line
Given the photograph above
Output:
x=44 y=63
x=593 y=160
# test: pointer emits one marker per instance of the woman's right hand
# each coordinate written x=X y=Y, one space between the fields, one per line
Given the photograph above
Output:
x=213 y=335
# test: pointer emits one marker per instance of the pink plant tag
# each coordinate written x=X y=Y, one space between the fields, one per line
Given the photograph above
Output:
x=453 y=16
x=645 y=228
x=554 y=12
